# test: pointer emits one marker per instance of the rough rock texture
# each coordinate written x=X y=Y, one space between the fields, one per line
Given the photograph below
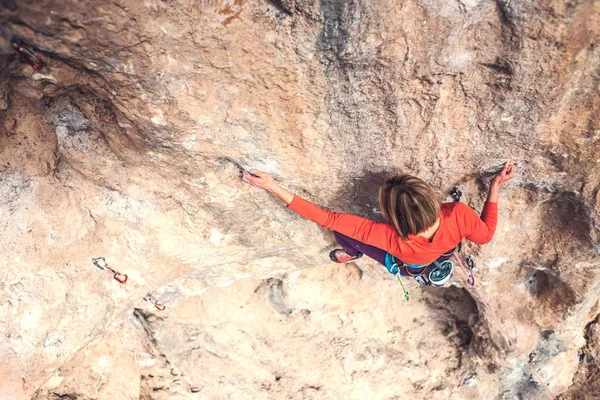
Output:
x=317 y=333
x=123 y=147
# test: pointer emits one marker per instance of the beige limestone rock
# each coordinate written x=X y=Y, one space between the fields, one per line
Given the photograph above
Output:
x=123 y=145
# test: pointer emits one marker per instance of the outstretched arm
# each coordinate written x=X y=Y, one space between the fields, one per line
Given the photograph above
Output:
x=481 y=230
x=375 y=234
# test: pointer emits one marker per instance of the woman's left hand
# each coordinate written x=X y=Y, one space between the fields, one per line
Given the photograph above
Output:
x=260 y=179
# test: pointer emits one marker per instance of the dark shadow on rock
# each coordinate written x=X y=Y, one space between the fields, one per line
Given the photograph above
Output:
x=567 y=215
x=586 y=383
x=458 y=319
x=455 y=309
x=552 y=295
x=361 y=195
x=563 y=241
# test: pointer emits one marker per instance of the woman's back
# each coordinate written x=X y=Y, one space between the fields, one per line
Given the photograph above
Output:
x=457 y=221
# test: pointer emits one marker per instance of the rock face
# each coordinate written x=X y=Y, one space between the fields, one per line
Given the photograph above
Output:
x=123 y=147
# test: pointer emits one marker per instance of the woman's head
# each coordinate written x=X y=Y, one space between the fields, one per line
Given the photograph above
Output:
x=409 y=204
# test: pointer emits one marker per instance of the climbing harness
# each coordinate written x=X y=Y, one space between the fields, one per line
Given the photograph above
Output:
x=25 y=51
x=499 y=326
x=437 y=273
x=101 y=264
x=151 y=299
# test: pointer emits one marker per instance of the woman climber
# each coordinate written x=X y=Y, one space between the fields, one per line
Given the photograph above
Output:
x=420 y=233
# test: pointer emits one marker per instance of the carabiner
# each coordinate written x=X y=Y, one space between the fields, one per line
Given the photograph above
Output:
x=421 y=279
x=151 y=299
x=27 y=53
x=100 y=263
x=119 y=277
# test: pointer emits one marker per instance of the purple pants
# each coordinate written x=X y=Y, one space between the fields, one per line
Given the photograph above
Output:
x=352 y=246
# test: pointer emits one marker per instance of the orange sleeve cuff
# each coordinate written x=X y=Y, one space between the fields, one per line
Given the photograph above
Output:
x=292 y=206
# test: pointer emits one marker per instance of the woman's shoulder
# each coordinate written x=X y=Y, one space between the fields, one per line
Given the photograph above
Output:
x=455 y=208
x=450 y=207
x=456 y=214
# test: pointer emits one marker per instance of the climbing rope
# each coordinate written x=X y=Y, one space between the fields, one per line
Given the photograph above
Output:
x=499 y=326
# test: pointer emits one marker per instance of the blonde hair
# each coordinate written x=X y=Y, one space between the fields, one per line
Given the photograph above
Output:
x=409 y=204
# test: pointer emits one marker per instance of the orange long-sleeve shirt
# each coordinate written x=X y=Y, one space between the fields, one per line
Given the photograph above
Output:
x=458 y=221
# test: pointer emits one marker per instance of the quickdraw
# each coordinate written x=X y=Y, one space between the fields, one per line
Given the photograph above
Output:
x=25 y=51
x=471 y=265
x=101 y=264
x=456 y=194
x=151 y=299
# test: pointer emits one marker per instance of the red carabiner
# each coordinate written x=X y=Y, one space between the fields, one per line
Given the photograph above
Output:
x=121 y=278
x=471 y=280
x=159 y=306
x=27 y=53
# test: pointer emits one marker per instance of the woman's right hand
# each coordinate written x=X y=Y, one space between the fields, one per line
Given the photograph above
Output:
x=507 y=173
